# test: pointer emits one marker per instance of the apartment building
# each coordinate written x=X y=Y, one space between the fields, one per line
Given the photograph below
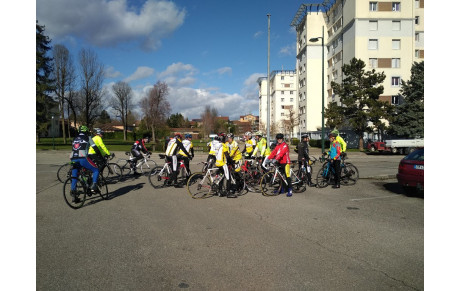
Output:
x=387 y=35
x=284 y=116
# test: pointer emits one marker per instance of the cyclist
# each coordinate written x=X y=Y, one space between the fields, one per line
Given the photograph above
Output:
x=172 y=150
x=281 y=155
x=342 y=142
x=235 y=156
x=335 y=154
x=136 y=149
x=102 y=152
x=303 y=156
x=80 y=147
x=249 y=144
x=261 y=149
x=212 y=145
x=189 y=148
x=222 y=160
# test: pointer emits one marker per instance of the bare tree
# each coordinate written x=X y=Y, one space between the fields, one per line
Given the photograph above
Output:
x=91 y=93
x=209 y=118
x=155 y=107
x=122 y=103
x=291 y=121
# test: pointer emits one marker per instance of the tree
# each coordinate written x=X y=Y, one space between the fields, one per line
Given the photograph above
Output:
x=209 y=118
x=63 y=72
x=156 y=107
x=291 y=121
x=104 y=117
x=122 y=103
x=176 y=120
x=334 y=115
x=379 y=113
x=44 y=83
x=357 y=91
x=91 y=93
x=409 y=116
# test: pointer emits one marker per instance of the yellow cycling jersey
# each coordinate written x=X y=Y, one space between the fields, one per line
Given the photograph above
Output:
x=234 y=151
x=213 y=144
x=343 y=144
x=101 y=146
x=250 y=144
x=262 y=148
x=220 y=154
x=188 y=146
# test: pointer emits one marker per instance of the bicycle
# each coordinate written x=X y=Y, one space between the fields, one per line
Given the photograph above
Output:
x=302 y=172
x=349 y=173
x=110 y=171
x=160 y=177
x=64 y=172
x=252 y=175
x=145 y=164
x=272 y=182
x=83 y=187
x=212 y=183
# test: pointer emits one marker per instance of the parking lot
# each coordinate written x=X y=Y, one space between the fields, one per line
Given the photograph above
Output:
x=364 y=237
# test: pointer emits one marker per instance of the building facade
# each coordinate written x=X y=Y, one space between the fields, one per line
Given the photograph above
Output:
x=387 y=35
x=284 y=115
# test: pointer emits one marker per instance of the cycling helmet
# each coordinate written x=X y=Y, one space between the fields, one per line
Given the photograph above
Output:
x=83 y=128
x=280 y=136
x=99 y=131
x=178 y=134
x=305 y=135
x=336 y=132
x=259 y=133
x=248 y=133
x=230 y=135
x=188 y=135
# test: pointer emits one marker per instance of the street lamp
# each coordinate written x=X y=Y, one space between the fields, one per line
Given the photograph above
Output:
x=315 y=39
x=52 y=129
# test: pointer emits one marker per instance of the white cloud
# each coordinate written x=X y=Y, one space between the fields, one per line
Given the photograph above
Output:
x=258 y=34
x=289 y=50
x=107 y=23
x=140 y=73
x=224 y=70
x=178 y=75
x=111 y=73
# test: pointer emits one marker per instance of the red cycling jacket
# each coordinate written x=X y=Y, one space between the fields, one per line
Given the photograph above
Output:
x=281 y=153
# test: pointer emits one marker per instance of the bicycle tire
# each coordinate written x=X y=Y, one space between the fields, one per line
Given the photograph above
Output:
x=299 y=187
x=64 y=172
x=252 y=180
x=147 y=166
x=103 y=189
x=81 y=193
x=199 y=186
x=158 y=179
x=270 y=186
x=112 y=171
x=349 y=175
x=322 y=180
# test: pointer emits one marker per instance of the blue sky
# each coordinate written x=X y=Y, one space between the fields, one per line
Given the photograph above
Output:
x=208 y=52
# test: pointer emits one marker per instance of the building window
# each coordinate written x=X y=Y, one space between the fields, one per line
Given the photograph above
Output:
x=282 y=113
x=282 y=77
x=417 y=36
x=373 y=25
x=282 y=99
x=396 y=44
x=417 y=4
x=395 y=63
x=395 y=99
x=416 y=19
x=373 y=44
x=395 y=81
x=372 y=6
x=291 y=99
x=282 y=92
x=417 y=53
x=373 y=63
x=396 y=6
x=396 y=25
x=291 y=92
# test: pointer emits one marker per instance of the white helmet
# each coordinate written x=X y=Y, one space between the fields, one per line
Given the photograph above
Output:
x=248 y=133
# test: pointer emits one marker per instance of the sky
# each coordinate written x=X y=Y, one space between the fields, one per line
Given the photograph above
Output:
x=209 y=52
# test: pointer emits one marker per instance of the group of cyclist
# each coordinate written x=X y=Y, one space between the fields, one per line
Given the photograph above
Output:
x=89 y=152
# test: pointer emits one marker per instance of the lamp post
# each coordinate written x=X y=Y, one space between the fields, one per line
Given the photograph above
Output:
x=268 y=82
x=52 y=129
x=315 y=39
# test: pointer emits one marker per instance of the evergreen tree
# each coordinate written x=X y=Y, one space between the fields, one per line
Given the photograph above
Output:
x=104 y=117
x=44 y=82
x=358 y=92
x=176 y=120
x=334 y=115
x=409 y=116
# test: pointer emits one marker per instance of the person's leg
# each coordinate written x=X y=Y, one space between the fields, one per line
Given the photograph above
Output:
x=90 y=165
x=288 y=178
x=336 y=165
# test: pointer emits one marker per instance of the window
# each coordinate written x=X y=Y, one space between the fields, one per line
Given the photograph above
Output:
x=395 y=81
x=396 y=6
x=373 y=63
x=396 y=63
x=282 y=77
x=373 y=44
x=291 y=92
x=282 y=99
x=417 y=53
x=396 y=44
x=291 y=99
x=417 y=4
x=416 y=19
x=373 y=25
x=396 y=25
x=417 y=36
x=395 y=100
x=282 y=113
x=372 y=6
x=282 y=92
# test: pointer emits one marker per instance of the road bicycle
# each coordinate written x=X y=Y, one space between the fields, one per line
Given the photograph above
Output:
x=272 y=182
x=303 y=170
x=213 y=182
x=64 y=172
x=252 y=175
x=161 y=176
x=76 y=199
x=349 y=173
x=110 y=171
x=145 y=164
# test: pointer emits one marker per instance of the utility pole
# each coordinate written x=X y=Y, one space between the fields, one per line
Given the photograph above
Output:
x=268 y=83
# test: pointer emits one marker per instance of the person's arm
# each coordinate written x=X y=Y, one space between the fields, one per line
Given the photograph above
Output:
x=181 y=147
x=103 y=149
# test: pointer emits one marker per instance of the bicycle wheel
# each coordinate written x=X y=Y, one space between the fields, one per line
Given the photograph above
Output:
x=350 y=175
x=147 y=166
x=103 y=189
x=158 y=178
x=270 y=185
x=252 y=180
x=298 y=185
x=79 y=194
x=112 y=172
x=323 y=176
x=199 y=186
x=64 y=172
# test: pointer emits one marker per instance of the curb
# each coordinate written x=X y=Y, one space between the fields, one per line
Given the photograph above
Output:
x=380 y=177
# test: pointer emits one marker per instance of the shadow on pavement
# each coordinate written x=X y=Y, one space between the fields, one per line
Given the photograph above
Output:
x=398 y=189
x=124 y=190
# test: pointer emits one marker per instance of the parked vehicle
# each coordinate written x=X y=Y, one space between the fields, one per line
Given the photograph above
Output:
x=402 y=146
x=411 y=171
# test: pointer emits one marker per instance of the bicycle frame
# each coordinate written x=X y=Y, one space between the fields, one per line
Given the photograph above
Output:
x=282 y=176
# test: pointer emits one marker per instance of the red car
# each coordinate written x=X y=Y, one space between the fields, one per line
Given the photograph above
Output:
x=410 y=171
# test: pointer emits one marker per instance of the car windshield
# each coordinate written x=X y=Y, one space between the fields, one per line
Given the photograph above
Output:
x=416 y=155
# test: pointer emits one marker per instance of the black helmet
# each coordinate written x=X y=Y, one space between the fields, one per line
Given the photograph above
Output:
x=280 y=136
x=305 y=135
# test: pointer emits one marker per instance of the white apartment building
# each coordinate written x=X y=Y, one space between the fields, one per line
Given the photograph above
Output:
x=283 y=103
x=387 y=35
